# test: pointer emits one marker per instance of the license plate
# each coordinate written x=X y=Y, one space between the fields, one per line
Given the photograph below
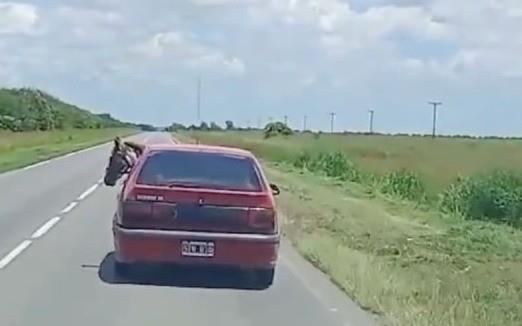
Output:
x=197 y=249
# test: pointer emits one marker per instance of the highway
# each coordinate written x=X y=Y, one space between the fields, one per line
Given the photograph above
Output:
x=56 y=265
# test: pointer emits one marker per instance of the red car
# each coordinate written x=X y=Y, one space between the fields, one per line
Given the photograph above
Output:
x=197 y=205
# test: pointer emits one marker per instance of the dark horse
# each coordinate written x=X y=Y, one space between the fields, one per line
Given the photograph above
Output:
x=123 y=157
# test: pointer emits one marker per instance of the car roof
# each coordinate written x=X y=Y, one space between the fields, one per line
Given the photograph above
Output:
x=199 y=148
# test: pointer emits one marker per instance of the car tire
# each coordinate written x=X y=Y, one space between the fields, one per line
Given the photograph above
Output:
x=122 y=269
x=264 y=278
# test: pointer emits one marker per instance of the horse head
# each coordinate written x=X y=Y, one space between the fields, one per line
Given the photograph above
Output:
x=120 y=163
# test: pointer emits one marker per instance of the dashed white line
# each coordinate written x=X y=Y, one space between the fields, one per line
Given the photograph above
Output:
x=45 y=228
x=87 y=192
x=69 y=207
x=14 y=253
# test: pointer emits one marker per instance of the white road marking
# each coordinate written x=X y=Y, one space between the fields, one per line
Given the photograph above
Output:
x=87 y=192
x=69 y=207
x=334 y=309
x=14 y=253
x=45 y=228
x=36 y=165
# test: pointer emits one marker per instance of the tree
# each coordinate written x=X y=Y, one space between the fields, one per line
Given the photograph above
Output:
x=204 y=126
x=146 y=127
x=176 y=127
x=215 y=127
x=229 y=125
x=9 y=123
x=32 y=109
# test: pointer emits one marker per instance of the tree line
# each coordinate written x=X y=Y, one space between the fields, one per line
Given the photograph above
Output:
x=27 y=109
x=204 y=126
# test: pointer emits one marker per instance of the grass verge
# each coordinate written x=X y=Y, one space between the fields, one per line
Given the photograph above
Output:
x=25 y=148
x=413 y=266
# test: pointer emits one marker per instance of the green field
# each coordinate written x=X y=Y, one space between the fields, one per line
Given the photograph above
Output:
x=438 y=161
x=18 y=149
x=410 y=263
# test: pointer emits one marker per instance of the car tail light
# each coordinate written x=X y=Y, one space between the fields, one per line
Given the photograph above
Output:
x=134 y=208
x=262 y=219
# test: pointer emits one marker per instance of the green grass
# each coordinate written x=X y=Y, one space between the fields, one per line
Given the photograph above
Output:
x=25 y=148
x=437 y=161
x=411 y=264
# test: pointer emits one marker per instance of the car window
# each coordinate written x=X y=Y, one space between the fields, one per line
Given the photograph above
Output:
x=199 y=169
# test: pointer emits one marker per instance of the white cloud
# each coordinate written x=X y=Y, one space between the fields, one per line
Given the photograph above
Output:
x=222 y=2
x=178 y=48
x=82 y=16
x=359 y=28
x=17 y=17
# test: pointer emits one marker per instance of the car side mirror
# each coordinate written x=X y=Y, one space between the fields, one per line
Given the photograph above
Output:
x=275 y=189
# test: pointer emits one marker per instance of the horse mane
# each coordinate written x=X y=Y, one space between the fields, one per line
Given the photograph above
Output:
x=137 y=148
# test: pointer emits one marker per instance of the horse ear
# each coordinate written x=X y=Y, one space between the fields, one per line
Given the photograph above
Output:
x=117 y=142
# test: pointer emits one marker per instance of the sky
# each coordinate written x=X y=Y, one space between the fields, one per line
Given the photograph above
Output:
x=140 y=60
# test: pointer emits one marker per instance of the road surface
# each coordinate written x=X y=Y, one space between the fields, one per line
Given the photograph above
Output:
x=56 y=266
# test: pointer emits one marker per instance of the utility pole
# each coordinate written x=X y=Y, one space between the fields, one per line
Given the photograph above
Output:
x=199 y=101
x=435 y=105
x=305 y=118
x=372 y=112
x=258 y=123
x=286 y=120
x=332 y=117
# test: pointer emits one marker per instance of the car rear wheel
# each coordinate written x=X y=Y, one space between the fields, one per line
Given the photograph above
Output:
x=264 y=278
x=122 y=269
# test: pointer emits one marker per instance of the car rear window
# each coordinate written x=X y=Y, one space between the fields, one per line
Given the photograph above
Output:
x=200 y=169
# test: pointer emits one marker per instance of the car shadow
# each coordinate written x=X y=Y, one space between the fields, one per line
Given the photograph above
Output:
x=176 y=276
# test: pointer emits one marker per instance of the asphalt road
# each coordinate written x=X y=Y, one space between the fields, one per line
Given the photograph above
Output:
x=56 y=265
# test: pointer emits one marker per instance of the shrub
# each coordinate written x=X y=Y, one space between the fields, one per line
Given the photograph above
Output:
x=404 y=184
x=277 y=128
x=335 y=165
x=494 y=196
x=303 y=161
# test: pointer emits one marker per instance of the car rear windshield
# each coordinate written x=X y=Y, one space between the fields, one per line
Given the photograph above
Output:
x=200 y=170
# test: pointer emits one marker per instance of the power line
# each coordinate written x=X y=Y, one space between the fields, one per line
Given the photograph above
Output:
x=435 y=105
x=372 y=112
x=332 y=117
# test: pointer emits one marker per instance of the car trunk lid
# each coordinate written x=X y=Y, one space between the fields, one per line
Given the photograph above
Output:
x=198 y=210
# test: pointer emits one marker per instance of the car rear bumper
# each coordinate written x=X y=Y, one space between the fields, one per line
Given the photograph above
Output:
x=247 y=251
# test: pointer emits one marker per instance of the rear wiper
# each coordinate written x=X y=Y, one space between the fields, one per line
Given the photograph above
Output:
x=183 y=185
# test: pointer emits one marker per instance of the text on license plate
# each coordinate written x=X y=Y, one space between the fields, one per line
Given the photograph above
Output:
x=197 y=249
